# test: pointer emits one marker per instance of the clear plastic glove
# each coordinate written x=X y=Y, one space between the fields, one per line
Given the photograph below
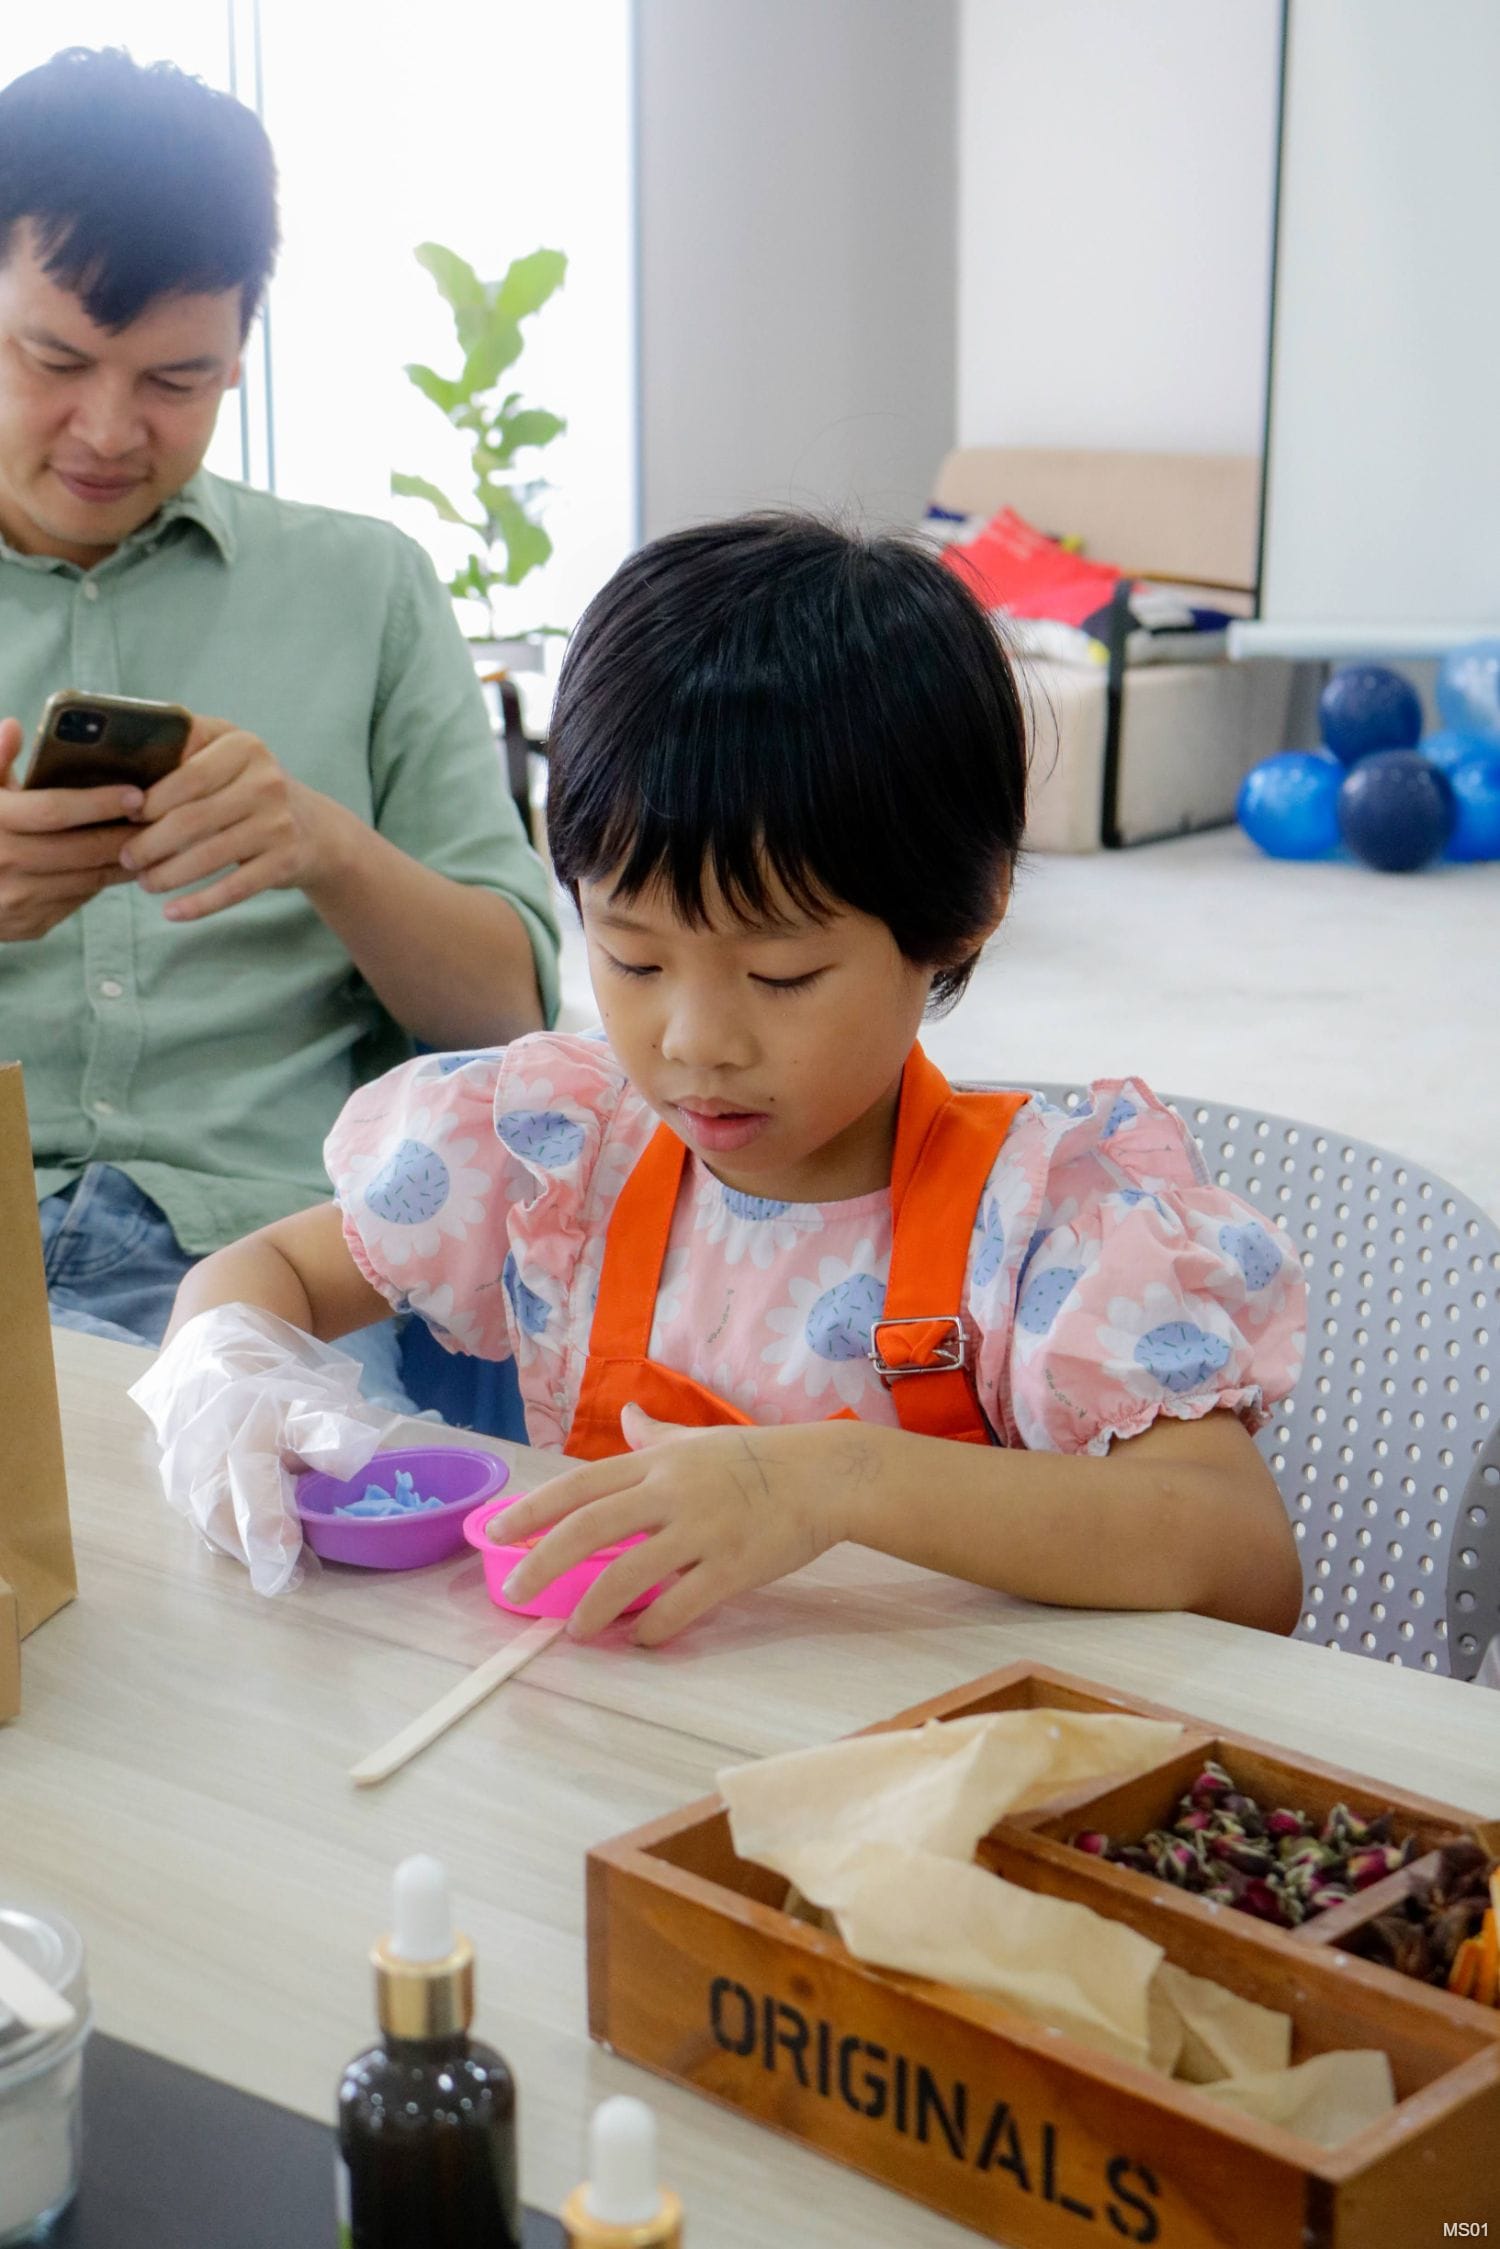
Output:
x=239 y=1400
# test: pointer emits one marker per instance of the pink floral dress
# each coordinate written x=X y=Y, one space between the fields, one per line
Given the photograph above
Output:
x=1108 y=1280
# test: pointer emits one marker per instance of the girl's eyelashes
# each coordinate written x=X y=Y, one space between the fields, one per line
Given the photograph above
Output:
x=638 y=970
x=788 y=983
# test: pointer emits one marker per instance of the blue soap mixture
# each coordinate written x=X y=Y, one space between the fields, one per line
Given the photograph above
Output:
x=377 y=1501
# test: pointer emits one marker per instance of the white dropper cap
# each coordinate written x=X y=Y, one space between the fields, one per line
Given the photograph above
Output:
x=422 y=1925
x=623 y=2187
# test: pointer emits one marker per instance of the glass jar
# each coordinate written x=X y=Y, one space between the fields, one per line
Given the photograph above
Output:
x=41 y=2082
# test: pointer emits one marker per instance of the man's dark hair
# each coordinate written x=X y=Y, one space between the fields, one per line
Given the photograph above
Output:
x=139 y=181
x=772 y=698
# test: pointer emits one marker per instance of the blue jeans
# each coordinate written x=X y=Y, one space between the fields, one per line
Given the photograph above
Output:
x=113 y=1264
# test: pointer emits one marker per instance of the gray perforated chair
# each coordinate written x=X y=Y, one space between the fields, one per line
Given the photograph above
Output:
x=1388 y=1452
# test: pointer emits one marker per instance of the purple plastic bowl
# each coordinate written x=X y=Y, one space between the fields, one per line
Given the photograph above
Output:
x=462 y=1479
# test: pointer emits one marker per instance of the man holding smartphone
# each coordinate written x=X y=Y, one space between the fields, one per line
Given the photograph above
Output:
x=196 y=973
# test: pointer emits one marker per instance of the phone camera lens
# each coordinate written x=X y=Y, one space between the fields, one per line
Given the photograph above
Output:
x=80 y=726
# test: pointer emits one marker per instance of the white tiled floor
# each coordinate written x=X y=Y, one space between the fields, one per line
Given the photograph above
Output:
x=1369 y=1003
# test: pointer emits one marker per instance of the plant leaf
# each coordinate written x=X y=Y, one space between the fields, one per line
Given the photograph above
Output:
x=526 y=544
x=418 y=488
x=528 y=283
x=437 y=387
x=474 y=581
x=533 y=425
x=497 y=346
x=457 y=281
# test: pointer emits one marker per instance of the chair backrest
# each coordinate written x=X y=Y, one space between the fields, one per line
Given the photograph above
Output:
x=1388 y=1453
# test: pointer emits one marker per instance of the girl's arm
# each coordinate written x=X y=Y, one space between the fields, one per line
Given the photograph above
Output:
x=299 y=1268
x=1185 y=1516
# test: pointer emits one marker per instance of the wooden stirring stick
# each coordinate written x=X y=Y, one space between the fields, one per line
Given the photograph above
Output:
x=483 y=1680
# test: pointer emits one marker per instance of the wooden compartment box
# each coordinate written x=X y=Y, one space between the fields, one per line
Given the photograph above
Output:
x=1015 y=2129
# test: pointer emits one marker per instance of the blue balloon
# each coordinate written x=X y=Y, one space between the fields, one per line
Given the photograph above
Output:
x=1449 y=748
x=1288 y=804
x=1475 y=782
x=1368 y=707
x=1468 y=690
x=1395 y=811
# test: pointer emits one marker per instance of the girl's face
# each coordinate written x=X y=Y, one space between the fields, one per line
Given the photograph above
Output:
x=773 y=1049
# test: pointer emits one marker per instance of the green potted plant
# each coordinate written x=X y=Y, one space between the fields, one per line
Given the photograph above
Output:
x=500 y=509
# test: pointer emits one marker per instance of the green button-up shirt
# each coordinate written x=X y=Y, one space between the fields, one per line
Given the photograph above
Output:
x=209 y=1059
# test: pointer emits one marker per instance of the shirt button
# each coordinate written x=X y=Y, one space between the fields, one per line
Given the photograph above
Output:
x=104 y=1108
x=90 y=590
x=111 y=989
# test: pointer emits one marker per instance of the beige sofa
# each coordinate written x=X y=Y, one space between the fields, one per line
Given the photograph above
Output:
x=1126 y=753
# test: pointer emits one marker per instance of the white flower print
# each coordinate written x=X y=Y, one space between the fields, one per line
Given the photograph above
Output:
x=751 y=1226
x=741 y=1390
x=434 y=1302
x=676 y=1269
x=824 y=1333
x=416 y=1189
x=1060 y=1258
x=1160 y=1347
x=1002 y=1210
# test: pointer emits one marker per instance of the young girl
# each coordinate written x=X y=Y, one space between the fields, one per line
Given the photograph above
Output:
x=764 y=1274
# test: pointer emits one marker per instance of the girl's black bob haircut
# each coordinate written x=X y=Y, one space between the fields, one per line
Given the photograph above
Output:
x=772 y=702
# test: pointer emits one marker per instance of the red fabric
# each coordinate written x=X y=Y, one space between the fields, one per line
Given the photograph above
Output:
x=1012 y=565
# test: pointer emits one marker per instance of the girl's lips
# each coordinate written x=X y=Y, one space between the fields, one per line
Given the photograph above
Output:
x=735 y=1128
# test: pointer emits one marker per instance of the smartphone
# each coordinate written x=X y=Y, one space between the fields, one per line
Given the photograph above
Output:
x=100 y=741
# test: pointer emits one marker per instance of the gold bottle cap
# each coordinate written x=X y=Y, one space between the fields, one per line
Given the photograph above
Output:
x=424 y=1973
x=585 y=2231
x=623 y=2204
x=424 y=1998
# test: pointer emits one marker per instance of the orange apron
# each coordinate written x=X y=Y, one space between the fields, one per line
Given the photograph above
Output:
x=946 y=1145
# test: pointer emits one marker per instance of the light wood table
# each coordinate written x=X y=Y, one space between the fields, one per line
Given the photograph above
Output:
x=177 y=1782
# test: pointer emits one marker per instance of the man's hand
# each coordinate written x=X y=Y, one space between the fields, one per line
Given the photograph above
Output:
x=724 y=1510
x=228 y=810
x=58 y=847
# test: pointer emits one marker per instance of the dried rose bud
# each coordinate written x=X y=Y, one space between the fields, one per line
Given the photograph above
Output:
x=1245 y=1856
x=1260 y=1899
x=1327 y=1893
x=1367 y=1866
x=1194 y=1822
x=1092 y=1841
x=1177 y=1862
x=1212 y=1783
x=1283 y=1823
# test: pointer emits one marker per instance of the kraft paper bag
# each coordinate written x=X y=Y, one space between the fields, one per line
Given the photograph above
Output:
x=36 y=1545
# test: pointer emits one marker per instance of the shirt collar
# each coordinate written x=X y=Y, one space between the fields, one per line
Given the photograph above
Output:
x=197 y=503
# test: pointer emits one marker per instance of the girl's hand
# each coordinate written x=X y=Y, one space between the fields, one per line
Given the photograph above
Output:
x=725 y=1510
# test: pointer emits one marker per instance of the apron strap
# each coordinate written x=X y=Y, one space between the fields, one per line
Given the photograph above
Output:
x=635 y=1249
x=946 y=1146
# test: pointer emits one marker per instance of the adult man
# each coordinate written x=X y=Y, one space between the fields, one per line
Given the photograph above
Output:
x=195 y=979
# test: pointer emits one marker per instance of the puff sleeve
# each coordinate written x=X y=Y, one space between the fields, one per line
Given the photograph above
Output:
x=1145 y=1289
x=446 y=1167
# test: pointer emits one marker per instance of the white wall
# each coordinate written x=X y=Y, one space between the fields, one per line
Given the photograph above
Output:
x=1117 y=161
x=797 y=184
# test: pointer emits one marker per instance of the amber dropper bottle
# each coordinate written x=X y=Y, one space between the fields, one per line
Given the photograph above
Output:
x=427 y=2118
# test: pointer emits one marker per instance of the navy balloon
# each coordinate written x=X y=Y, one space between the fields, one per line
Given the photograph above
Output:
x=1468 y=690
x=1475 y=782
x=1288 y=804
x=1367 y=707
x=1395 y=811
